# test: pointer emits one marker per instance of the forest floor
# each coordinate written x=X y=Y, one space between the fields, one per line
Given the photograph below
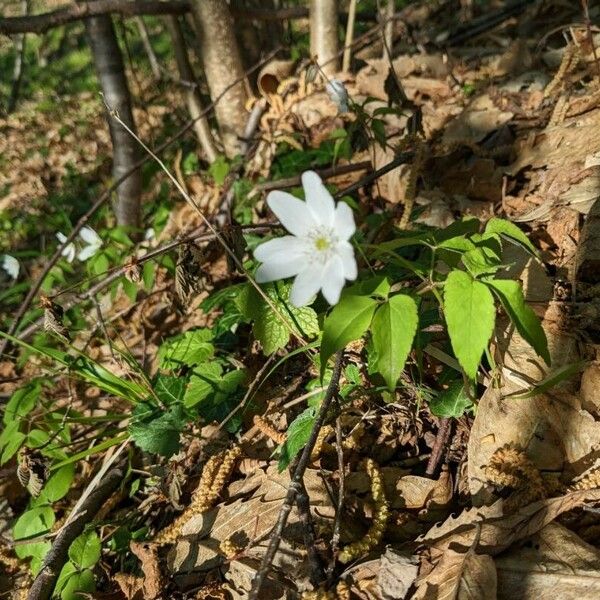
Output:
x=492 y=497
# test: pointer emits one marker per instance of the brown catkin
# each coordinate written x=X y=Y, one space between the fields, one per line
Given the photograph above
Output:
x=215 y=474
x=324 y=433
x=380 y=517
x=569 y=62
x=229 y=548
x=510 y=467
x=267 y=429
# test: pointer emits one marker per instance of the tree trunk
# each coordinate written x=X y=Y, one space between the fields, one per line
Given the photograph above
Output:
x=192 y=95
x=223 y=68
x=17 y=77
x=148 y=49
x=111 y=75
x=324 y=34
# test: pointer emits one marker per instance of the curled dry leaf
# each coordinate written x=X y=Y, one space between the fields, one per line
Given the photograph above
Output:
x=554 y=563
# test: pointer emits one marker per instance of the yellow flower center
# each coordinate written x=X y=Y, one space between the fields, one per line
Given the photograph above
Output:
x=322 y=243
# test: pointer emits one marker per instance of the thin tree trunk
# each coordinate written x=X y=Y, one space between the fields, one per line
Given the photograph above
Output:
x=17 y=78
x=349 y=36
x=152 y=59
x=324 y=34
x=192 y=95
x=111 y=74
x=223 y=68
x=388 y=29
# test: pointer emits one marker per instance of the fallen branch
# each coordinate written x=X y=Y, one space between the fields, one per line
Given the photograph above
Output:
x=295 y=486
x=44 y=583
x=75 y=12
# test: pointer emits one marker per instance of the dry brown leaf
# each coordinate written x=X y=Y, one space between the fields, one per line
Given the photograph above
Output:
x=388 y=577
x=418 y=492
x=153 y=582
x=497 y=531
x=479 y=119
x=460 y=576
x=555 y=563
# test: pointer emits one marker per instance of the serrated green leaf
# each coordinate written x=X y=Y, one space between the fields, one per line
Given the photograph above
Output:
x=85 y=550
x=169 y=389
x=453 y=402
x=297 y=435
x=65 y=574
x=11 y=439
x=470 y=316
x=510 y=294
x=58 y=484
x=392 y=331
x=510 y=230
x=156 y=431
x=203 y=382
x=190 y=348
x=270 y=328
x=348 y=321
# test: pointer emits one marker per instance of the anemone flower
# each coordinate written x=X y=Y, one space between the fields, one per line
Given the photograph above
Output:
x=318 y=252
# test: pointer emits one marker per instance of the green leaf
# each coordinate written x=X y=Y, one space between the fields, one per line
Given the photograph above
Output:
x=32 y=523
x=470 y=316
x=22 y=401
x=393 y=330
x=169 y=389
x=156 y=431
x=297 y=435
x=11 y=439
x=511 y=231
x=521 y=314
x=558 y=376
x=348 y=321
x=78 y=585
x=269 y=327
x=85 y=550
x=203 y=382
x=219 y=169
x=58 y=485
x=65 y=574
x=452 y=402
x=190 y=348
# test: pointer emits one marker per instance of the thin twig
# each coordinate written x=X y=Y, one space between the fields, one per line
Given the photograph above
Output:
x=43 y=586
x=316 y=571
x=335 y=538
x=295 y=487
x=439 y=446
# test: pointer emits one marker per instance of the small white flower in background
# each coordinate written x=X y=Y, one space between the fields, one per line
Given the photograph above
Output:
x=93 y=243
x=69 y=250
x=337 y=93
x=318 y=252
x=11 y=265
x=149 y=234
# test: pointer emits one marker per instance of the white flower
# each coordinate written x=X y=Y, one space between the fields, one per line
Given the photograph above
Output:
x=93 y=243
x=69 y=250
x=318 y=252
x=337 y=93
x=11 y=265
x=149 y=234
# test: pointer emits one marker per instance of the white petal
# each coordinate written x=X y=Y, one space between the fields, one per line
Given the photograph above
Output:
x=333 y=280
x=281 y=258
x=346 y=254
x=61 y=237
x=293 y=213
x=69 y=252
x=87 y=252
x=149 y=234
x=319 y=200
x=343 y=221
x=306 y=285
x=11 y=265
x=89 y=236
